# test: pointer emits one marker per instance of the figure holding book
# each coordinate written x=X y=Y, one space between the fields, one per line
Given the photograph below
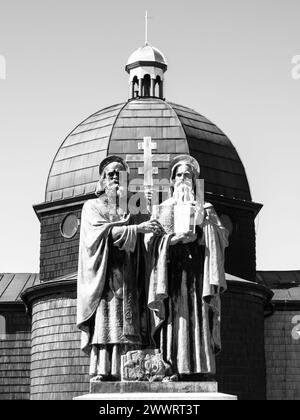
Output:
x=186 y=276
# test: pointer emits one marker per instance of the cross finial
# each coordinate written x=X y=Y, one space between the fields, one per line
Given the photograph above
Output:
x=146 y=27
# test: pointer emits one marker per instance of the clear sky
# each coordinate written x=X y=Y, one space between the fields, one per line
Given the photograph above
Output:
x=229 y=60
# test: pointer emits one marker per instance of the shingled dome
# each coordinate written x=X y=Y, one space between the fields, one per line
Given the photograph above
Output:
x=119 y=128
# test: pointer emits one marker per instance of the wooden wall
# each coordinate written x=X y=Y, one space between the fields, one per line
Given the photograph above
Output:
x=240 y=255
x=241 y=364
x=15 y=353
x=59 y=369
x=58 y=255
x=283 y=355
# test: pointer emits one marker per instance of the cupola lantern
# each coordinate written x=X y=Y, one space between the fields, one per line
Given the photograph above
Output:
x=146 y=67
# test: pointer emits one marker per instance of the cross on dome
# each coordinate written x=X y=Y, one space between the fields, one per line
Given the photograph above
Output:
x=146 y=26
x=146 y=67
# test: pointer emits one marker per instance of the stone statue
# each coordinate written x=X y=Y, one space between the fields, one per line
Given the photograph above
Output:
x=111 y=302
x=186 y=277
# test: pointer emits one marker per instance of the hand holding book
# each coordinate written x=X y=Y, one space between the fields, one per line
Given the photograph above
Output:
x=183 y=238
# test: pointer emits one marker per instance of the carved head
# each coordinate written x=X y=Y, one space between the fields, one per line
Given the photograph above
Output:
x=184 y=172
x=110 y=170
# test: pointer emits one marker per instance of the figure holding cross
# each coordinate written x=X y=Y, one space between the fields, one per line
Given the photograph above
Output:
x=111 y=303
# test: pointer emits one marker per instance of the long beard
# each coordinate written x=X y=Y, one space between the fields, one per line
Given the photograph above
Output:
x=183 y=192
x=114 y=193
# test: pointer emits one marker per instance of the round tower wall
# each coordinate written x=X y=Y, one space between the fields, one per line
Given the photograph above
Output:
x=59 y=369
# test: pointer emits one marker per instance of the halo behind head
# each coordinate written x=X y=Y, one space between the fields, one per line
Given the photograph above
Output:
x=105 y=162
x=181 y=160
x=109 y=159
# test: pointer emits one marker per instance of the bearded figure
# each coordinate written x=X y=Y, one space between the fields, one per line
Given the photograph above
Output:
x=186 y=276
x=111 y=303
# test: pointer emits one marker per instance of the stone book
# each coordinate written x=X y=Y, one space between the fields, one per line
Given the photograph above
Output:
x=179 y=218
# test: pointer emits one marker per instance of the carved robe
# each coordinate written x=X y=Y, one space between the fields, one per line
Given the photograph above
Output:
x=184 y=296
x=110 y=287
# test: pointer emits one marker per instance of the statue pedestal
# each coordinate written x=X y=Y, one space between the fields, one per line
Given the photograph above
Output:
x=151 y=391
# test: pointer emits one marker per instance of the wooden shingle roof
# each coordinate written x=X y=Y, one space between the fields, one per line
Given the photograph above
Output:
x=12 y=285
x=284 y=284
x=279 y=279
x=221 y=167
x=119 y=128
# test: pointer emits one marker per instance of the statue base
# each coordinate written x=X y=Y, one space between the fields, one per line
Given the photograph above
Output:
x=149 y=391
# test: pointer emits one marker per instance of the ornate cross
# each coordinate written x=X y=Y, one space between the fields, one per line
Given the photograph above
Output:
x=148 y=158
x=147 y=146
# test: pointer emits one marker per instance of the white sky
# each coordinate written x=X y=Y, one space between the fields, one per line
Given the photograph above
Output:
x=229 y=60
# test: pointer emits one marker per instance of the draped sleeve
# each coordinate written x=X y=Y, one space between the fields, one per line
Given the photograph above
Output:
x=92 y=264
x=215 y=240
